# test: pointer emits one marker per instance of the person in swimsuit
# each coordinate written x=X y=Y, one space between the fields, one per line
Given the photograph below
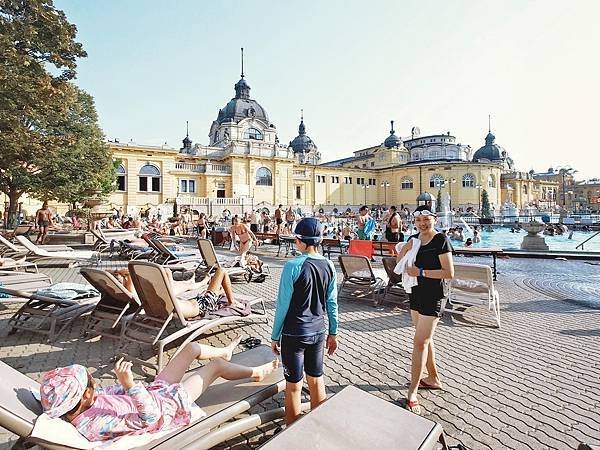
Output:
x=290 y=219
x=393 y=232
x=246 y=238
x=219 y=284
x=278 y=219
x=202 y=226
x=433 y=264
x=132 y=408
x=43 y=219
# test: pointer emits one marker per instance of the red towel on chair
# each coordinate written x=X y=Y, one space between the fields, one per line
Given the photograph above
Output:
x=361 y=248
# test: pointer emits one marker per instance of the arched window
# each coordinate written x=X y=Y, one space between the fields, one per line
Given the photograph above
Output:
x=468 y=180
x=525 y=190
x=253 y=133
x=491 y=181
x=149 y=178
x=264 y=177
x=121 y=184
x=436 y=181
x=407 y=183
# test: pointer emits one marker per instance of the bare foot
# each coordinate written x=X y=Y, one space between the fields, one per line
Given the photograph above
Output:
x=231 y=347
x=261 y=372
x=430 y=383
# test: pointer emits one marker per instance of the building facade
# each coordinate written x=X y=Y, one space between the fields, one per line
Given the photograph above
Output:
x=245 y=165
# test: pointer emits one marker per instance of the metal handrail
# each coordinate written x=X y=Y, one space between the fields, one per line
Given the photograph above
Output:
x=590 y=238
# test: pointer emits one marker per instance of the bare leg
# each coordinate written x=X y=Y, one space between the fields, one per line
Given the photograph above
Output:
x=316 y=387
x=293 y=401
x=202 y=378
x=423 y=334
x=220 y=279
x=176 y=367
x=432 y=378
x=244 y=248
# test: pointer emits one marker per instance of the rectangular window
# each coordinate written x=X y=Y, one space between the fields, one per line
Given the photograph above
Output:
x=191 y=186
x=372 y=164
x=348 y=180
x=184 y=186
x=143 y=184
x=155 y=184
x=121 y=183
x=298 y=192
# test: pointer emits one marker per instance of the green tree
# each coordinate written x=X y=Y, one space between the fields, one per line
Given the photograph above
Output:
x=82 y=167
x=486 y=213
x=438 y=201
x=38 y=55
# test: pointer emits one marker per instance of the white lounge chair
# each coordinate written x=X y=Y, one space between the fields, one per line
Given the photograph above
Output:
x=22 y=281
x=13 y=249
x=473 y=285
x=359 y=279
x=75 y=255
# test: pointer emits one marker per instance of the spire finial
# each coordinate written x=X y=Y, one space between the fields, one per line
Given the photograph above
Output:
x=302 y=115
x=242 y=62
x=489 y=123
x=392 y=124
x=187 y=129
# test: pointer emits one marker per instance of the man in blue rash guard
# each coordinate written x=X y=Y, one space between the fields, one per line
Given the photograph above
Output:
x=307 y=290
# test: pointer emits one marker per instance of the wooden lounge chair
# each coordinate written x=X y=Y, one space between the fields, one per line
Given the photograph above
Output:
x=355 y=419
x=116 y=307
x=21 y=413
x=22 y=281
x=73 y=256
x=161 y=310
x=47 y=315
x=359 y=280
x=473 y=285
x=394 y=291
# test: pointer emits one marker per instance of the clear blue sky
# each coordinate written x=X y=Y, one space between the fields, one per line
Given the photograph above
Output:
x=352 y=65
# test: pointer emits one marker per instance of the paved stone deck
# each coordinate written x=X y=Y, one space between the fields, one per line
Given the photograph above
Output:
x=533 y=384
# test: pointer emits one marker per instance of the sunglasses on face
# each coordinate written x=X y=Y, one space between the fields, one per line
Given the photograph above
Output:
x=423 y=213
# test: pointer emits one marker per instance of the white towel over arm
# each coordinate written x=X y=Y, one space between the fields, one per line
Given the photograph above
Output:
x=408 y=260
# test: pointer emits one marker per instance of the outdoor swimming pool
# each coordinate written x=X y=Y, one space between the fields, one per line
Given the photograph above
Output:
x=502 y=237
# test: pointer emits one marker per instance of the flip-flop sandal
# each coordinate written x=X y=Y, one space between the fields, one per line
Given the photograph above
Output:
x=251 y=342
x=413 y=406
x=426 y=386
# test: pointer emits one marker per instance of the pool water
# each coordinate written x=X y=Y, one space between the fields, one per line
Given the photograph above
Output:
x=502 y=237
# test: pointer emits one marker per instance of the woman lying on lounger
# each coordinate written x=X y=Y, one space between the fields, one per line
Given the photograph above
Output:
x=131 y=408
x=206 y=300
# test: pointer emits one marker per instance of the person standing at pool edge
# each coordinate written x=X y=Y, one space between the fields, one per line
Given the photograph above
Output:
x=307 y=289
x=433 y=264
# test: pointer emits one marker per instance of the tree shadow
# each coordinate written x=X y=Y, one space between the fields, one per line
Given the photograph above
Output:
x=548 y=305
x=581 y=332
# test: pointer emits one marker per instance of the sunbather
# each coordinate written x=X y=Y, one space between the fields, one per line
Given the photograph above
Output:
x=205 y=301
x=131 y=408
x=43 y=220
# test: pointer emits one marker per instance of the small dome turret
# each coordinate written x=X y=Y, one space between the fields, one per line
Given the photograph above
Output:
x=302 y=143
x=392 y=140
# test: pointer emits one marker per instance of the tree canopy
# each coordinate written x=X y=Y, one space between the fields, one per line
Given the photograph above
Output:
x=50 y=144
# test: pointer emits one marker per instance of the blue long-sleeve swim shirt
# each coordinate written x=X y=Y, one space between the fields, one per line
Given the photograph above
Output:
x=307 y=290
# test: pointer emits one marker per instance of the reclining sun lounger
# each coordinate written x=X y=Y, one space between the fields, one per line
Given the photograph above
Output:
x=353 y=418
x=359 y=279
x=76 y=256
x=23 y=281
x=211 y=260
x=167 y=256
x=115 y=309
x=51 y=309
x=20 y=263
x=13 y=249
x=161 y=310
x=20 y=413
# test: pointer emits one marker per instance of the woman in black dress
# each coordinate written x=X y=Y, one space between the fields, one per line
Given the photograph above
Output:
x=433 y=264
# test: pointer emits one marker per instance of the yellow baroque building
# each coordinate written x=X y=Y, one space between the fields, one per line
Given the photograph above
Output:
x=245 y=166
